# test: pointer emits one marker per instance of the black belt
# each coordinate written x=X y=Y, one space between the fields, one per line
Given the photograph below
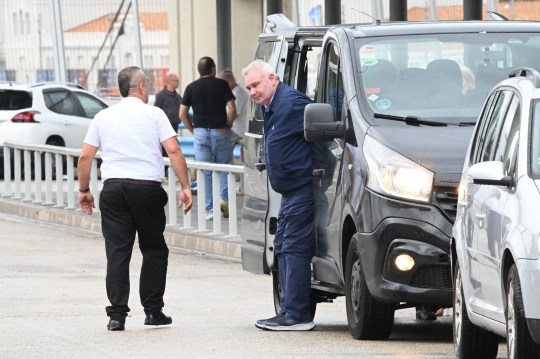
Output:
x=133 y=181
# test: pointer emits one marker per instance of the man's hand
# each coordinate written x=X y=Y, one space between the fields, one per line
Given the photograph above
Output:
x=185 y=198
x=86 y=202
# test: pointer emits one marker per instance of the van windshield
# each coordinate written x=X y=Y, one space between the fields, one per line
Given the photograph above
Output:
x=443 y=77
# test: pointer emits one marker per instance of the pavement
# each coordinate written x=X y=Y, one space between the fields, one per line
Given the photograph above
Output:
x=204 y=242
x=52 y=305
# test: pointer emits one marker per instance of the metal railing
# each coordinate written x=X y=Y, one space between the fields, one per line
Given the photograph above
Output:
x=46 y=184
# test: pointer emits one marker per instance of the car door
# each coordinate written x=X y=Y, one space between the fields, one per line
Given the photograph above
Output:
x=328 y=161
x=89 y=106
x=261 y=203
x=491 y=236
x=482 y=199
x=70 y=124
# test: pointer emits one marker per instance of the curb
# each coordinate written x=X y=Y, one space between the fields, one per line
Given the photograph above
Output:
x=176 y=237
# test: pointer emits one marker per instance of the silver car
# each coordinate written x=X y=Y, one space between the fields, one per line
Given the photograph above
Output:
x=496 y=235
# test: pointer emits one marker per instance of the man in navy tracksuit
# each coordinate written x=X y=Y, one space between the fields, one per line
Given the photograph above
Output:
x=288 y=158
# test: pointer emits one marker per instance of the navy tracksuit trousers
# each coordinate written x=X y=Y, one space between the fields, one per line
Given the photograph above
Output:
x=293 y=244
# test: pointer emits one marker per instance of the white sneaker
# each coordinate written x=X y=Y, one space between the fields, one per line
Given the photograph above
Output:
x=210 y=215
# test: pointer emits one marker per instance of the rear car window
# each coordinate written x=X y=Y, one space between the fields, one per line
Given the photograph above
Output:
x=15 y=100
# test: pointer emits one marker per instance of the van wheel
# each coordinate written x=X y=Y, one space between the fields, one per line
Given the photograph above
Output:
x=367 y=317
x=519 y=342
x=470 y=341
x=277 y=291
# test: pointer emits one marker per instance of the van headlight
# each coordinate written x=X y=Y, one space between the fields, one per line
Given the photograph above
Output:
x=392 y=174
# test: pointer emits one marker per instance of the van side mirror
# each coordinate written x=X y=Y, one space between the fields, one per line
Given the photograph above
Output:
x=320 y=125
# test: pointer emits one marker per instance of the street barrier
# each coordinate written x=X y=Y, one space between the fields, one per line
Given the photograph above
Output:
x=45 y=175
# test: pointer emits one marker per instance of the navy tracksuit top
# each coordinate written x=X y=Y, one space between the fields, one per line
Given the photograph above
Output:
x=287 y=154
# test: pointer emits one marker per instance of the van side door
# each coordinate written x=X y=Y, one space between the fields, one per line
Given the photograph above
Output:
x=261 y=203
x=328 y=167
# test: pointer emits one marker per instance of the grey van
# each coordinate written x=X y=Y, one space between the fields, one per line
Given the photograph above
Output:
x=394 y=108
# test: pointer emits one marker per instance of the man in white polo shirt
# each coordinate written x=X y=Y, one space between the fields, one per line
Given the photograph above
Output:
x=131 y=135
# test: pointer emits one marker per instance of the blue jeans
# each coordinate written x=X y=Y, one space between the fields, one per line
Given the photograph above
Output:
x=213 y=145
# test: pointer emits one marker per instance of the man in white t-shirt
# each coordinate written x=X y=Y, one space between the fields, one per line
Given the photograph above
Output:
x=242 y=97
x=131 y=135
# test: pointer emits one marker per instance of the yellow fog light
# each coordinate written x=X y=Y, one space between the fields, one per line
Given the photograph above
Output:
x=404 y=262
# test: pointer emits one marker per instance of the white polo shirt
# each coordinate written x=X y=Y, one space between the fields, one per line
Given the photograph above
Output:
x=130 y=135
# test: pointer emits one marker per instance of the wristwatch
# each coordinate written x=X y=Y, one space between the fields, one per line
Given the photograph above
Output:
x=85 y=190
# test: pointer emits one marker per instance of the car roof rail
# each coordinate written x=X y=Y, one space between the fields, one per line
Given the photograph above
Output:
x=68 y=84
x=528 y=72
x=496 y=16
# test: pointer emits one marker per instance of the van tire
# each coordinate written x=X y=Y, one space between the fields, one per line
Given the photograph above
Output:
x=277 y=291
x=470 y=341
x=519 y=342
x=367 y=317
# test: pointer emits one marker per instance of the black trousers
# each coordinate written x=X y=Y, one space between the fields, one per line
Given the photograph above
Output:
x=128 y=209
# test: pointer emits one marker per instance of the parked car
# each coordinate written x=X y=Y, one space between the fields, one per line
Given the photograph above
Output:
x=496 y=236
x=46 y=113
x=395 y=109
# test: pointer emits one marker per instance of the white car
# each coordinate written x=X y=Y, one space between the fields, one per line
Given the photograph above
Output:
x=496 y=235
x=46 y=113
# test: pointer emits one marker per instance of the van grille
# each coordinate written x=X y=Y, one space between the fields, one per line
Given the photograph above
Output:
x=446 y=199
x=433 y=277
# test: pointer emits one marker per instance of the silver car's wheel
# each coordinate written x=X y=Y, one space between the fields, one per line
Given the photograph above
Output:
x=519 y=342
x=470 y=341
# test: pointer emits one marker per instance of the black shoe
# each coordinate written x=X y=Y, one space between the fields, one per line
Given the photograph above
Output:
x=116 y=325
x=260 y=323
x=286 y=323
x=157 y=318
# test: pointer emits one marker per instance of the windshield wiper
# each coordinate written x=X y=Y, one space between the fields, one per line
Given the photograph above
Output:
x=471 y=123
x=410 y=120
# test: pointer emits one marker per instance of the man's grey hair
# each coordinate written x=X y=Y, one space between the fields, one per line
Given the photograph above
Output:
x=259 y=65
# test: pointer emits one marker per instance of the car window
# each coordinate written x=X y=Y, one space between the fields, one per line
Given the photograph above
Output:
x=535 y=141
x=478 y=137
x=490 y=127
x=61 y=101
x=15 y=100
x=90 y=105
x=440 y=77
x=509 y=135
x=333 y=81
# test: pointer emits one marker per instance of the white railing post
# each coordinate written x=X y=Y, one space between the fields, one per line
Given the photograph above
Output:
x=59 y=180
x=27 y=176
x=17 y=168
x=48 y=179
x=7 y=170
x=37 y=176
x=233 y=220
x=70 y=191
x=216 y=199
x=201 y=212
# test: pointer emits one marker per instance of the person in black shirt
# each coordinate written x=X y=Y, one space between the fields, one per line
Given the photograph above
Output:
x=169 y=100
x=214 y=111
